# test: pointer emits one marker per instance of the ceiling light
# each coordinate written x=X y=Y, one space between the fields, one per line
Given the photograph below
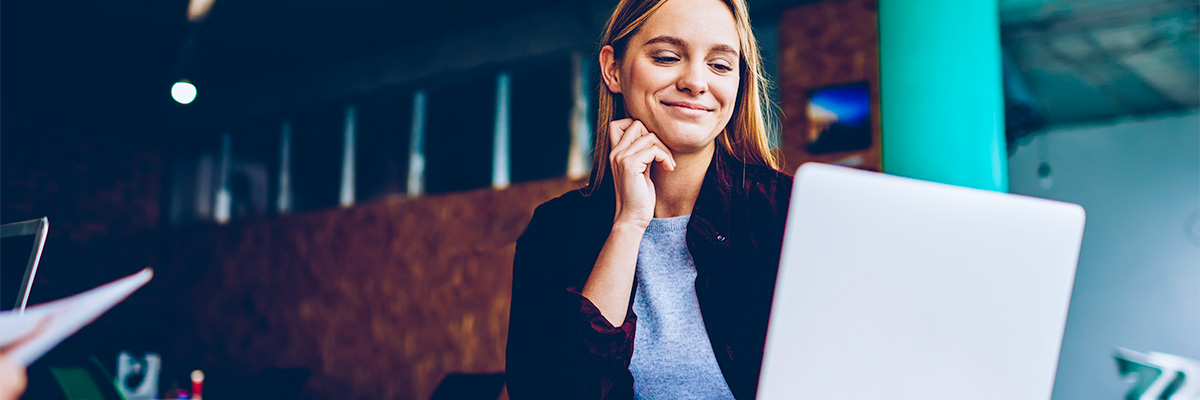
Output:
x=183 y=92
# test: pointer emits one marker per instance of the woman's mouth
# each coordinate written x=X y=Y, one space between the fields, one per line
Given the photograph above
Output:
x=687 y=109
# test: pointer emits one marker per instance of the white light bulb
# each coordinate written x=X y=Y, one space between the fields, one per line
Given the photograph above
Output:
x=183 y=92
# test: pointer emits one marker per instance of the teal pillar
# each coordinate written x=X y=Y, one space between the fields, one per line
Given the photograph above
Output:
x=942 y=92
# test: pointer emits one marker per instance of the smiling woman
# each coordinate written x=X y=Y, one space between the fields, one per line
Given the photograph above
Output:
x=734 y=49
x=676 y=237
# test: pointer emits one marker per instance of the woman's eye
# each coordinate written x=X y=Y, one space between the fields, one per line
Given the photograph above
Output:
x=722 y=67
x=665 y=59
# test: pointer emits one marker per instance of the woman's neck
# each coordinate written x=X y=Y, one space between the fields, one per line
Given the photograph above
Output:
x=676 y=191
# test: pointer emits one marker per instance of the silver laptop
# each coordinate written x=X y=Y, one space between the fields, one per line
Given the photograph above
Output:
x=893 y=288
x=21 y=251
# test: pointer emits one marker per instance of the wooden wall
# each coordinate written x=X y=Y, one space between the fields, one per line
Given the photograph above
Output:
x=821 y=44
x=379 y=301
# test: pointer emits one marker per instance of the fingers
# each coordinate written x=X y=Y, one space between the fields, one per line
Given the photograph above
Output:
x=632 y=132
x=617 y=128
x=639 y=162
x=652 y=141
x=635 y=139
x=638 y=156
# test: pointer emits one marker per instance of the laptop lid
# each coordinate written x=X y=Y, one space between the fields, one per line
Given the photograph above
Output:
x=894 y=288
x=20 y=251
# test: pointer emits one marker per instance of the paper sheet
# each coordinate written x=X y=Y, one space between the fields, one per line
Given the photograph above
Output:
x=26 y=337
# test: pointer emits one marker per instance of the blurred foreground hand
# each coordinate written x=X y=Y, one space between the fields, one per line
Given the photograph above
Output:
x=12 y=380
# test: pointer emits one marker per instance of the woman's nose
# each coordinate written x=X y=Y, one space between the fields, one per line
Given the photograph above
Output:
x=692 y=79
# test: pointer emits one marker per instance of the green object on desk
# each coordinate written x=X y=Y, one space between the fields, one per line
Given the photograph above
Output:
x=89 y=381
x=76 y=383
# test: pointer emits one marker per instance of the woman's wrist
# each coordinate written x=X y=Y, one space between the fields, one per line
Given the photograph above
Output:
x=629 y=226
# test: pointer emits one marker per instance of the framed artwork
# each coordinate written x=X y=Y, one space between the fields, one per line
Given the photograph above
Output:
x=839 y=119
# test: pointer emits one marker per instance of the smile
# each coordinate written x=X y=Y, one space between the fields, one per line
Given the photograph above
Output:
x=687 y=106
x=690 y=111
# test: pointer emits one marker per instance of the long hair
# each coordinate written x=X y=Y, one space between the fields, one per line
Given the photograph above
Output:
x=745 y=137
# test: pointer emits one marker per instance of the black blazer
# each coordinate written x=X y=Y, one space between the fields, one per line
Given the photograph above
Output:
x=561 y=347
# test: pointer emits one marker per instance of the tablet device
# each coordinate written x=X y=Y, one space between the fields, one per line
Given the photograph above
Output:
x=21 y=246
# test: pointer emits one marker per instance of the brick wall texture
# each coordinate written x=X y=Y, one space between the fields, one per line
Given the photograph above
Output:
x=378 y=301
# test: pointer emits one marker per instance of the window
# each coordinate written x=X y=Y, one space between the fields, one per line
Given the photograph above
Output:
x=316 y=157
x=253 y=171
x=540 y=105
x=383 y=128
x=459 y=124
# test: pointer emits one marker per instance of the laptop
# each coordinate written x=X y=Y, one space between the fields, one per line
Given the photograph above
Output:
x=894 y=288
x=20 y=251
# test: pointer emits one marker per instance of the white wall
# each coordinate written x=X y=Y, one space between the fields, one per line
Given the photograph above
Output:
x=1138 y=283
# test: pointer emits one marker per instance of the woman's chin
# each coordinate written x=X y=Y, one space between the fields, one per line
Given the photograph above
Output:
x=688 y=142
x=683 y=138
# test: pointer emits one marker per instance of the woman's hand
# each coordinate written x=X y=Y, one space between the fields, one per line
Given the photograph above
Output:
x=634 y=151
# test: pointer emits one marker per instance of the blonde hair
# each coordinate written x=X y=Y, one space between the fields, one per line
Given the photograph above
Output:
x=745 y=137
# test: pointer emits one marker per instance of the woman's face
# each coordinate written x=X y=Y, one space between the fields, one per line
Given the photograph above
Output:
x=680 y=73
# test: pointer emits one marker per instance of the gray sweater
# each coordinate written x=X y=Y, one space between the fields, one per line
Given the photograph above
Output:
x=672 y=356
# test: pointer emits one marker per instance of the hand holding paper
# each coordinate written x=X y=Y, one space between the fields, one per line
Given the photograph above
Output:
x=26 y=337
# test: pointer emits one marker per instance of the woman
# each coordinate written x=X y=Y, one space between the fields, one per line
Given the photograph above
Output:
x=655 y=280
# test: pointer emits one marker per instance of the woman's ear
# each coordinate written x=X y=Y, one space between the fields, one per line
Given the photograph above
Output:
x=610 y=69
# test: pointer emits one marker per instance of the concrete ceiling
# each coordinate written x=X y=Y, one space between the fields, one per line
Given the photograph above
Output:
x=246 y=40
x=1098 y=59
x=1082 y=59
